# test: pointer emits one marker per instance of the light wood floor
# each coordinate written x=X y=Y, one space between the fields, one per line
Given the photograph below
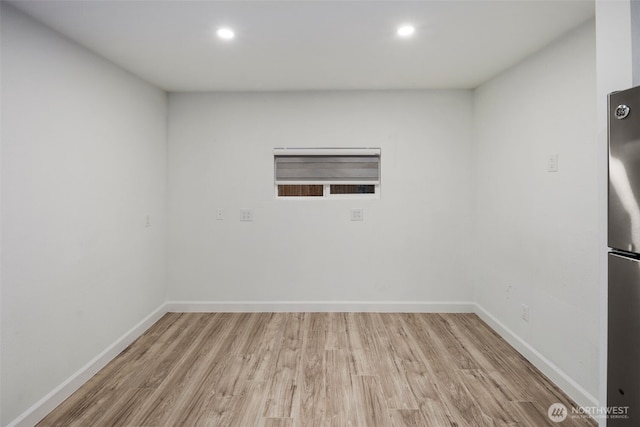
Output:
x=316 y=369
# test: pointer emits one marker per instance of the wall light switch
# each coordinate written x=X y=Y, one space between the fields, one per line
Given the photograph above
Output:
x=147 y=221
x=220 y=214
x=246 y=215
x=552 y=163
x=357 y=214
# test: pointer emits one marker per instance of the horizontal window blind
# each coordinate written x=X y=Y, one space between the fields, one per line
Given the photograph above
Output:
x=334 y=169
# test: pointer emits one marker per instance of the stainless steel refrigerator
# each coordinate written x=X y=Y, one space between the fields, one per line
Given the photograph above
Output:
x=623 y=370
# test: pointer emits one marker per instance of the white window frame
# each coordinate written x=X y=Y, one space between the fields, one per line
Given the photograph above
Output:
x=327 y=184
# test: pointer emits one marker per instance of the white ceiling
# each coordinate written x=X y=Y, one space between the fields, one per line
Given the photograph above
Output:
x=302 y=45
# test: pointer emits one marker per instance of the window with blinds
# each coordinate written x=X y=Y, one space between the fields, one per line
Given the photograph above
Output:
x=327 y=172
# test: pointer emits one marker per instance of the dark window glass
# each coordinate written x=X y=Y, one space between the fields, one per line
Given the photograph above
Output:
x=300 y=190
x=353 y=189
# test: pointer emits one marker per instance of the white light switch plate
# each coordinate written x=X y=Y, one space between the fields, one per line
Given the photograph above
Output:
x=220 y=214
x=357 y=214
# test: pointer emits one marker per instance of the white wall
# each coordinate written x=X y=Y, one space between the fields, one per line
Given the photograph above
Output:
x=414 y=241
x=537 y=231
x=83 y=163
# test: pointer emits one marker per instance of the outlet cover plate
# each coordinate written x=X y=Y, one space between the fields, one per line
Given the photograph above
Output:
x=552 y=163
x=357 y=214
x=246 y=215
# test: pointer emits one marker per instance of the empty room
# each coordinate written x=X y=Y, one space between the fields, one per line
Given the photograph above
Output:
x=328 y=213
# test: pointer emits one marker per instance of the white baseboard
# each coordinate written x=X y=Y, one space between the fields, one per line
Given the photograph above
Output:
x=48 y=403
x=320 y=306
x=555 y=374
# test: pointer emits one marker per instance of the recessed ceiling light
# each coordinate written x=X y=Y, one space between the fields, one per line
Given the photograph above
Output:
x=225 y=33
x=406 y=30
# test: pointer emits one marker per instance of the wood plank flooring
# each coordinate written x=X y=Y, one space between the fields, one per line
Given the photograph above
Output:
x=316 y=369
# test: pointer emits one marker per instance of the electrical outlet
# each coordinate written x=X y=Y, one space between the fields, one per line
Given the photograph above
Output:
x=524 y=312
x=147 y=221
x=552 y=163
x=220 y=214
x=246 y=215
x=357 y=214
